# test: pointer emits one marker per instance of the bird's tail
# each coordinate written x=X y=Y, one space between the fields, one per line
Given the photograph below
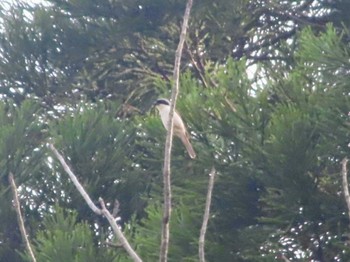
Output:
x=185 y=140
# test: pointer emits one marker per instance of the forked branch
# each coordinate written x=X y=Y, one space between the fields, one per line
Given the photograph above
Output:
x=103 y=211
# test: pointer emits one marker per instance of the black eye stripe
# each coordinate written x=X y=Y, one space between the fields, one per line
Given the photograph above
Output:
x=162 y=102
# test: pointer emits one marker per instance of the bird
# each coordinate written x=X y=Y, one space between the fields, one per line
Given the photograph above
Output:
x=179 y=128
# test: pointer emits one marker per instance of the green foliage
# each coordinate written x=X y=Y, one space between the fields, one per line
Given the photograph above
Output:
x=64 y=239
x=185 y=223
x=276 y=142
x=19 y=136
x=20 y=154
x=114 y=50
x=305 y=141
x=219 y=142
x=100 y=150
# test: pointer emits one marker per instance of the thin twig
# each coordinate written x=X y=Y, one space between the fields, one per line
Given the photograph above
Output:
x=117 y=231
x=284 y=258
x=201 y=243
x=20 y=218
x=164 y=246
x=111 y=244
x=115 y=208
x=196 y=66
x=344 y=173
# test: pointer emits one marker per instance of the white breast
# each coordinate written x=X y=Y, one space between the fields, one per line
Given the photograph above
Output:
x=164 y=115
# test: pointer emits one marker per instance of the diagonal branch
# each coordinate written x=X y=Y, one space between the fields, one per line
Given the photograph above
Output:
x=75 y=181
x=164 y=246
x=117 y=231
x=345 y=183
x=103 y=211
x=20 y=218
x=201 y=243
x=199 y=68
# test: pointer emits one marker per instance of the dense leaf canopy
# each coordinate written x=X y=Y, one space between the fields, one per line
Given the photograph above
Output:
x=264 y=93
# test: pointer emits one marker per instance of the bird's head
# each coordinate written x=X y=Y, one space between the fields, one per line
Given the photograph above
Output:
x=161 y=102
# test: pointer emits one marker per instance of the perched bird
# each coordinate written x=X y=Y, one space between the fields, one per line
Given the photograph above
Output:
x=163 y=106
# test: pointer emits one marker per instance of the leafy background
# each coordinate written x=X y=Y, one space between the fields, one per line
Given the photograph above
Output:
x=264 y=93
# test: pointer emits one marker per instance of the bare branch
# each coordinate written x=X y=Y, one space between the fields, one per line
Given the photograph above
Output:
x=75 y=181
x=20 y=218
x=117 y=231
x=163 y=255
x=345 y=183
x=203 y=231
